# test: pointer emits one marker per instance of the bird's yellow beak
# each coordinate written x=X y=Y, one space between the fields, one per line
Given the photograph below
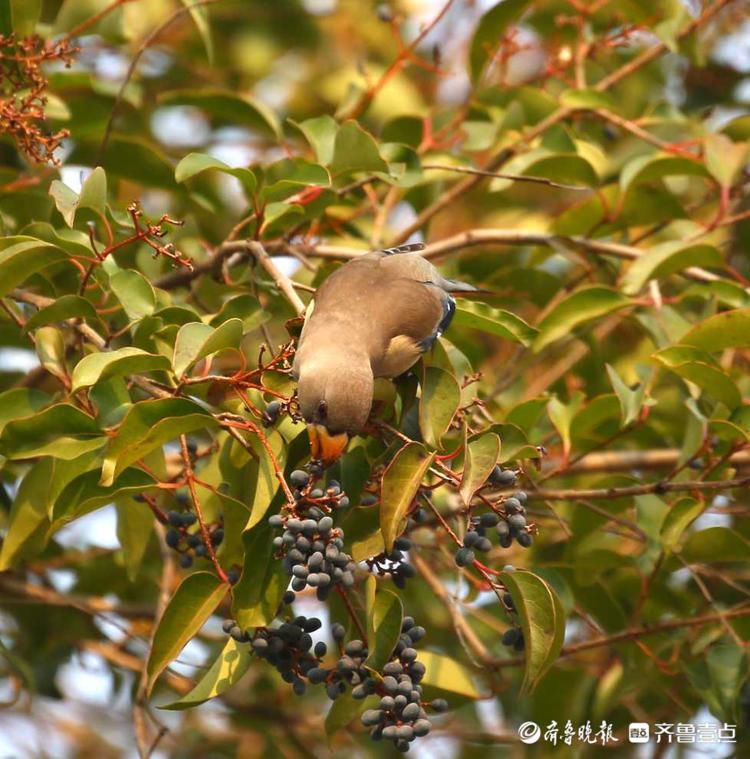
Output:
x=324 y=446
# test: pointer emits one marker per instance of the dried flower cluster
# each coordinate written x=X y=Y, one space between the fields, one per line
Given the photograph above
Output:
x=22 y=94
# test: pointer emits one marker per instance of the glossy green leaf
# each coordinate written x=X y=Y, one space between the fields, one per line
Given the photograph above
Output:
x=148 y=425
x=135 y=524
x=196 y=163
x=257 y=595
x=384 y=616
x=715 y=544
x=668 y=258
x=51 y=423
x=588 y=99
x=700 y=369
x=565 y=168
x=495 y=321
x=199 y=14
x=482 y=453
x=344 y=710
x=542 y=621
x=561 y=415
x=134 y=292
x=20 y=402
x=648 y=168
x=441 y=397
x=138 y=160
x=719 y=679
x=591 y=302
x=730 y=329
x=192 y=604
x=66 y=307
x=447 y=677
x=355 y=150
x=228 y=107
x=399 y=486
x=630 y=399
x=227 y=670
x=320 y=132
x=100 y=366
x=50 y=347
x=490 y=31
x=21 y=256
x=197 y=340
x=679 y=517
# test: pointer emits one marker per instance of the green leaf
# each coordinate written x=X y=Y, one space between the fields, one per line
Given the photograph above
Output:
x=227 y=669
x=65 y=307
x=730 y=329
x=20 y=402
x=482 y=453
x=384 y=616
x=134 y=292
x=542 y=621
x=50 y=347
x=320 y=132
x=20 y=257
x=138 y=160
x=495 y=321
x=28 y=516
x=647 y=168
x=679 y=517
x=725 y=159
x=490 y=31
x=266 y=483
x=227 y=107
x=148 y=425
x=567 y=168
x=22 y=436
x=719 y=678
x=199 y=15
x=668 y=258
x=591 y=302
x=715 y=544
x=400 y=483
x=447 y=676
x=100 y=366
x=135 y=523
x=355 y=150
x=344 y=710
x=631 y=400
x=25 y=16
x=257 y=595
x=700 y=369
x=441 y=397
x=197 y=340
x=196 y=163
x=588 y=99
x=561 y=415
x=244 y=307
x=191 y=605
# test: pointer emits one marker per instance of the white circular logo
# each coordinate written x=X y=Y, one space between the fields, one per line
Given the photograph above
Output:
x=529 y=732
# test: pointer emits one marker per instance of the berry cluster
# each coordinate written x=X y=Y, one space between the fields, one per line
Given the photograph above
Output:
x=508 y=524
x=188 y=544
x=513 y=637
x=401 y=715
x=349 y=669
x=311 y=547
x=394 y=563
x=288 y=647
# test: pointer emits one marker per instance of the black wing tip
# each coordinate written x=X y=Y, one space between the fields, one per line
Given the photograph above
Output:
x=409 y=247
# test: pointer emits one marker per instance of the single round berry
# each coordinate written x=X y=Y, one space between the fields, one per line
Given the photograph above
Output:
x=525 y=540
x=464 y=557
x=298 y=478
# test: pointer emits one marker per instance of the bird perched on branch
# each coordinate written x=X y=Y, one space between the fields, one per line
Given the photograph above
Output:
x=371 y=318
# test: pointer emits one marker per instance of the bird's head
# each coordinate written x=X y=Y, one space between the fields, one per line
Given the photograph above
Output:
x=335 y=400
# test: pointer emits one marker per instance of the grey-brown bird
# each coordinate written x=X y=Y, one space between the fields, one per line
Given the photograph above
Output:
x=373 y=317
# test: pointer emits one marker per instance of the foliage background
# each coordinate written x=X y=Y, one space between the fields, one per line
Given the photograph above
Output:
x=614 y=353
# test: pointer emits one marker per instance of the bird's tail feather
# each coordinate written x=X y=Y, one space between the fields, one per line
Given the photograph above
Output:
x=410 y=247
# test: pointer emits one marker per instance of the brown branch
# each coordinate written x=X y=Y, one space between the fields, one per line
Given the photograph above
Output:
x=499 y=175
x=572 y=494
x=633 y=633
x=282 y=281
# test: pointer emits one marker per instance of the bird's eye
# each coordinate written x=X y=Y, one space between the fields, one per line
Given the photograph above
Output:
x=323 y=409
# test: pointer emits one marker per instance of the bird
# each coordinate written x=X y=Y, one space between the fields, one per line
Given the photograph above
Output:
x=373 y=317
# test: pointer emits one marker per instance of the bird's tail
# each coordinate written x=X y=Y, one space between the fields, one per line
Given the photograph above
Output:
x=410 y=247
